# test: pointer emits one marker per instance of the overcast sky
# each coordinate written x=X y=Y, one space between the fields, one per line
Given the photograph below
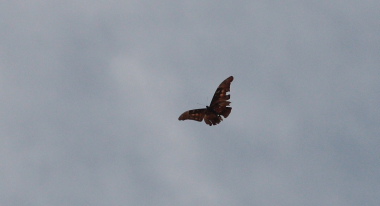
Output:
x=91 y=91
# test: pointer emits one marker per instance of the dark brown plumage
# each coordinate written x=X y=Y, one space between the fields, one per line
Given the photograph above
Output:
x=218 y=106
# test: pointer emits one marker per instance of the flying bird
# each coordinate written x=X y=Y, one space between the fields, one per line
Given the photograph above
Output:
x=218 y=106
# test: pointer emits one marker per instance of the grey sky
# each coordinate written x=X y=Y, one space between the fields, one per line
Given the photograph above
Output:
x=91 y=92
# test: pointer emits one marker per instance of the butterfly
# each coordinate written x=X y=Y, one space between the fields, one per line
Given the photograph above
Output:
x=218 y=106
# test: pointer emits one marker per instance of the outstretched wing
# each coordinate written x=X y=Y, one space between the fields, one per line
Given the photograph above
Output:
x=195 y=114
x=218 y=106
x=219 y=101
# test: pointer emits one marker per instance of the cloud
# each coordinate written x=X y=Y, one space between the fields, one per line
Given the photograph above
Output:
x=91 y=93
